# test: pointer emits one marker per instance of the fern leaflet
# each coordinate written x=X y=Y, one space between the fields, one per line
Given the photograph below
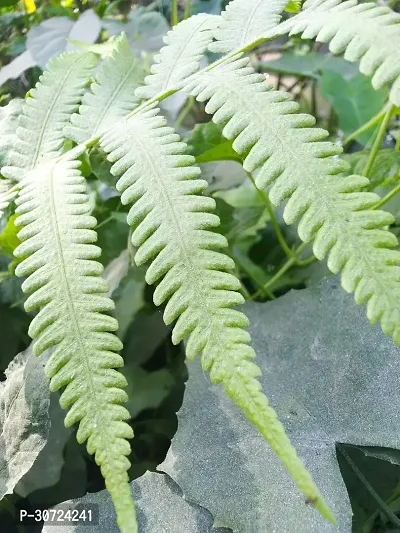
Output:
x=112 y=94
x=186 y=44
x=64 y=279
x=40 y=134
x=332 y=209
x=364 y=32
x=245 y=22
x=171 y=224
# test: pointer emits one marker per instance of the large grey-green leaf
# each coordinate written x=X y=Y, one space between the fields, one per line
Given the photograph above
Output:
x=331 y=377
x=144 y=30
x=46 y=470
x=160 y=508
x=24 y=418
x=355 y=102
x=50 y=38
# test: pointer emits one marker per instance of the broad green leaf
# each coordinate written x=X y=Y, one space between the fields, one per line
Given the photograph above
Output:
x=354 y=101
x=160 y=506
x=112 y=231
x=9 y=237
x=24 y=418
x=384 y=169
x=206 y=143
x=310 y=65
x=324 y=369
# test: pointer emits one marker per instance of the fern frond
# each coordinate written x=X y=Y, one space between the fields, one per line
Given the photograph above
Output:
x=185 y=46
x=171 y=223
x=64 y=279
x=47 y=110
x=111 y=97
x=8 y=192
x=284 y=151
x=244 y=22
x=364 y=32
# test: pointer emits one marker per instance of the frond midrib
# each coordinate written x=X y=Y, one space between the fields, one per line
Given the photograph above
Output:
x=205 y=311
x=70 y=301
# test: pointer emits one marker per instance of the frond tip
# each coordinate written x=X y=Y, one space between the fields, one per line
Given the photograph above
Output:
x=64 y=279
x=111 y=96
x=171 y=223
x=47 y=110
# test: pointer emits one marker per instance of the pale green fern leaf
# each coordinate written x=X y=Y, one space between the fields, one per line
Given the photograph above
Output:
x=244 y=22
x=47 y=110
x=64 y=279
x=171 y=223
x=111 y=97
x=285 y=152
x=185 y=46
x=364 y=32
x=8 y=192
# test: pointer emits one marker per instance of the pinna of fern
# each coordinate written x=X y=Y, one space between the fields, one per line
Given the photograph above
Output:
x=58 y=258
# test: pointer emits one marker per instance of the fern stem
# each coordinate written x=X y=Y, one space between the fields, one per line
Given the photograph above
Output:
x=397 y=147
x=184 y=112
x=371 y=122
x=187 y=10
x=280 y=272
x=250 y=275
x=174 y=13
x=264 y=198
x=386 y=198
x=384 y=508
x=378 y=140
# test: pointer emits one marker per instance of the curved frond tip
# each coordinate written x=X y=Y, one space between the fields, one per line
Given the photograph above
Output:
x=172 y=225
x=47 y=110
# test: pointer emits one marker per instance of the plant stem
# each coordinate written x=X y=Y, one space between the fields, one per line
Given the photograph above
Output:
x=184 y=112
x=397 y=147
x=264 y=198
x=174 y=13
x=187 y=10
x=378 y=141
x=288 y=251
x=104 y=222
x=371 y=122
x=386 y=198
x=384 y=508
x=281 y=271
x=250 y=275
